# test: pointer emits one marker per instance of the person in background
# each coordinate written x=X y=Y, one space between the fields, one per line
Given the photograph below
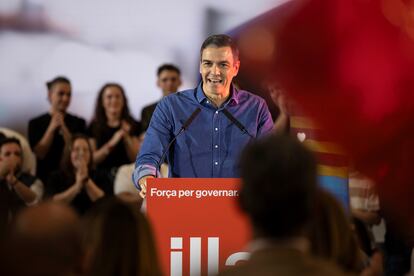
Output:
x=284 y=106
x=398 y=247
x=118 y=241
x=29 y=159
x=43 y=240
x=77 y=183
x=365 y=209
x=4 y=209
x=114 y=133
x=20 y=189
x=50 y=132
x=279 y=187
x=331 y=235
x=168 y=80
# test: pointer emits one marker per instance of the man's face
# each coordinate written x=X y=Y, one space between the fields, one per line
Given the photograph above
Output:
x=169 y=81
x=217 y=69
x=11 y=154
x=59 y=96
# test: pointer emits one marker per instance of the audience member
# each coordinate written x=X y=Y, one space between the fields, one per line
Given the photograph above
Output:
x=49 y=132
x=398 y=247
x=114 y=132
x=168 y=80
x=284 y=106
x=29 y=159
x=18 y=188
x=4 y=208
x=76 y=183
x=279 y=185
x=331 y=236
x=118 y=241
x=365 y=208
x=44 y=240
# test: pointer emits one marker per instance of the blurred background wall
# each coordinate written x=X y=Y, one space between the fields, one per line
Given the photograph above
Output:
x=97 y=41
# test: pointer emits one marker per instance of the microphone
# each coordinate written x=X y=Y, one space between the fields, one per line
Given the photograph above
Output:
x=236 y=122
x=184 y=127
x=189 y=120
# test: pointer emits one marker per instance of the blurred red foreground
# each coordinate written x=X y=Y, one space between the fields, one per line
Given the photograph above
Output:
x=350 y=65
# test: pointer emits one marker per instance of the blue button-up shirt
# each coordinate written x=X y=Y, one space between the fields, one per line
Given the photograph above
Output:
x=211 y=145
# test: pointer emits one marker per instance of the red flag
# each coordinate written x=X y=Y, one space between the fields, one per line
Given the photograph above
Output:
x=350 y=65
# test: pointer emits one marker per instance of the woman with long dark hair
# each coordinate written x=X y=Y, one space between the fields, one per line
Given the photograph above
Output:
x=113 y=131
x=118 y=241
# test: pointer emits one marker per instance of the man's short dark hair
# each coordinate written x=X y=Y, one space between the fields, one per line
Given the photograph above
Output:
x=220 y=40
x=168 y=67
x=9 y=140
x=279 y=182
x=58 y=79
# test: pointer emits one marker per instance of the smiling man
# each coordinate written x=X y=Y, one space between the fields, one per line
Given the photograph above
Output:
x=207 y=126
x=218 y=68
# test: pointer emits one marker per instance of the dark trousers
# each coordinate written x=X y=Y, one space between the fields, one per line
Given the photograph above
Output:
x=397 y=254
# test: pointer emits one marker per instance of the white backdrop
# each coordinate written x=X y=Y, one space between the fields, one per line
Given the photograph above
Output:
x=97 y=41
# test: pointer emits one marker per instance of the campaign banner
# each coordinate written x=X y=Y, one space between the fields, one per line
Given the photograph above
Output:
x=198 y=226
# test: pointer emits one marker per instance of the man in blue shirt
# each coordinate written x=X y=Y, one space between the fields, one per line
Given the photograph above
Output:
x=218 y=119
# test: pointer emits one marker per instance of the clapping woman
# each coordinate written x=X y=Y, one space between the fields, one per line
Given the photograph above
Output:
x=114 y=133
x=76 y=183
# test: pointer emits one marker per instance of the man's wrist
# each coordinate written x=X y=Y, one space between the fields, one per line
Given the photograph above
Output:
x=143 y=180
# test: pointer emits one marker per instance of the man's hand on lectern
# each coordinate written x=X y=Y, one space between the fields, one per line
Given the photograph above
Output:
x=143 y=183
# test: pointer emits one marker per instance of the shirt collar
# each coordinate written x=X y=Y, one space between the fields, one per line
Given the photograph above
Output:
x=200 y=94
x=233 y=100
